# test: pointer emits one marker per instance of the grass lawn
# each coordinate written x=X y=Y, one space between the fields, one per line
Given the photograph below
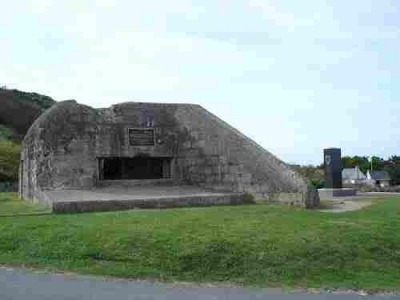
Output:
x=10 y=205
x=262 y=245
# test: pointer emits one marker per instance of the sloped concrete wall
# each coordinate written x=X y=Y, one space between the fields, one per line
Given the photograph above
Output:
x=62 y=148
x=58 y=150
x=220 y=157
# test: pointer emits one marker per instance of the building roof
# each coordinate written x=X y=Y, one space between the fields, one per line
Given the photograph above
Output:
x=353 y=174
x=380 y=175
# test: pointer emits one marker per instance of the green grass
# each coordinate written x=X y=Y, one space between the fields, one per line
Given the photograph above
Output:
x=261 y=245
x=10 y=205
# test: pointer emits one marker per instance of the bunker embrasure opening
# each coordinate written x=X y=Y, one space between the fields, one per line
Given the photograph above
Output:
x=134 y=168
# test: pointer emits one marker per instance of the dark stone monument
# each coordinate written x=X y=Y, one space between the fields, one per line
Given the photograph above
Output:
x=333 y=168
x=333 y=176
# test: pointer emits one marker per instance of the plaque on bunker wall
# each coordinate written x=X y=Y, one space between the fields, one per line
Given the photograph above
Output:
x=141 y=137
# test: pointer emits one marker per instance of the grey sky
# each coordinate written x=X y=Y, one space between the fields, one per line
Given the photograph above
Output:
x=296 y=76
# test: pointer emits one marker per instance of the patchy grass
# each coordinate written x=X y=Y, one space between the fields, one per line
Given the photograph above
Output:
x=327 y=204
x=10 y=205
x=262 y=245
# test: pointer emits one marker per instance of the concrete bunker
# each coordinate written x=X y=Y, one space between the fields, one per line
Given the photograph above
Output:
x=73 y=147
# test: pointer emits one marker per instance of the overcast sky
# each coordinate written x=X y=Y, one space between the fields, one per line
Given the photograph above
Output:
x=296 y=76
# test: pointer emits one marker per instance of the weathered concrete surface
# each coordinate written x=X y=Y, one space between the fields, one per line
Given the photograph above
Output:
x=63 y=147
x=337 y=192
x=126 y=197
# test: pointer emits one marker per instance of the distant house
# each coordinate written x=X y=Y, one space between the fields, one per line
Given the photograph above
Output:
x=353 y=176
x=379 y=178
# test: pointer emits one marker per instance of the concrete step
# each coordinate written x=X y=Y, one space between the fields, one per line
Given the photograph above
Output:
x=131 y=197
x=146 y=203
x=130 y=182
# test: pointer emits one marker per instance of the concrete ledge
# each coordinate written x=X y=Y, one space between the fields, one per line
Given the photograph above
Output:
x=164 y=202
x=333 y=193
x=128 y=182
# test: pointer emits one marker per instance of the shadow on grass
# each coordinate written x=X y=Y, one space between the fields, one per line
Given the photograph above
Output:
x=25 y=215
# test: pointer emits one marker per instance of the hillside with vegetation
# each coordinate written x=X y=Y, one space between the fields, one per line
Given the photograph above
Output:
x=18 y=110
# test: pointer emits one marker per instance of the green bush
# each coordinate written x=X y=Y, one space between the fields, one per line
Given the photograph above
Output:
x=6 y=133
x=248 y=198
x=8 y=186
x=317 y=183
x=9 y=160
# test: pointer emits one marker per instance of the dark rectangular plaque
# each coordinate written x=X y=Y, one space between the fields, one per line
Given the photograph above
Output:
x=141 y=137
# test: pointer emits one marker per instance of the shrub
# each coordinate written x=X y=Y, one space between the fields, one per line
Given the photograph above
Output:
x=6 y=133
x=9 y=160
x=317 y=183
x=248 y=198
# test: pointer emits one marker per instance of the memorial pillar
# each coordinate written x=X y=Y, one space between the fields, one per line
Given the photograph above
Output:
x=333 y=168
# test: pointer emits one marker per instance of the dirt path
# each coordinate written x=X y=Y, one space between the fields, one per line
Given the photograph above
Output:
x=347 y=205
x=343 y=204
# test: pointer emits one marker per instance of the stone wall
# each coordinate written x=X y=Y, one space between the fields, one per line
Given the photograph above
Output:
x=62 y=148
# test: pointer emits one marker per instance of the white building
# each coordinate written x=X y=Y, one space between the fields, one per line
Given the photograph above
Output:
x=353 y=176
x=379 y=178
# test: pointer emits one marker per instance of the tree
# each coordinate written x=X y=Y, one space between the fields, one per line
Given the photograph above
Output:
x=392 y=166
x=314 y=175
x=377 y=163
x=352 y=161
x=394 y=159
x=9 y=160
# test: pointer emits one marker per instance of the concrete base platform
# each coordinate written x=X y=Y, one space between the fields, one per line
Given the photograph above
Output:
x=335 y=193
x=125 y=197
